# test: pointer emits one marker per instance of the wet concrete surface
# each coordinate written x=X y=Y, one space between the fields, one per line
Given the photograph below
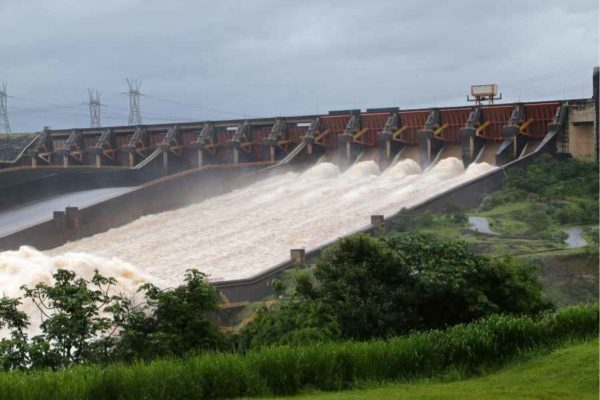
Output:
x=21 y=217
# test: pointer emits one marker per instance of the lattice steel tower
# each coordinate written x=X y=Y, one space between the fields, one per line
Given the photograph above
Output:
x=95 y=108
x=4 y=124
x=135 y=117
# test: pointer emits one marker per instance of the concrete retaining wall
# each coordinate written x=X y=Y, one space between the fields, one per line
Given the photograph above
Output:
x=26 y=184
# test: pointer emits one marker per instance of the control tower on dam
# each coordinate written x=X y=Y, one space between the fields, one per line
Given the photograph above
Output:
x=237 y=199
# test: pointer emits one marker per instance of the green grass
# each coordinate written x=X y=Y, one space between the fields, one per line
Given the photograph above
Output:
x=570 y=372
x=286 y=370
x=512 y=235
x=502 y=219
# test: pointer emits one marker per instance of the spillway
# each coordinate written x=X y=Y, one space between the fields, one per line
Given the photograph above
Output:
x=238 y=234
x=241 y=233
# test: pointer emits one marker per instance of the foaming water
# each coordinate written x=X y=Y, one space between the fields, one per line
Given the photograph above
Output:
x=403 y=168
x=28 y=266
x=242 y=232
x=238 y=234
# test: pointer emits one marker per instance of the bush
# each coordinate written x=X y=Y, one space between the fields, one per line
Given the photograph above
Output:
x=408 y=219
x=566 y=190
x=83 y=323
x=456 y=214
x=552 y=178
x=367 y=287
x=287 y=370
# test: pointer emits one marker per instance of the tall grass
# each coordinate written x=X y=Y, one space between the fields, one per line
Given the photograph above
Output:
x=325 y=366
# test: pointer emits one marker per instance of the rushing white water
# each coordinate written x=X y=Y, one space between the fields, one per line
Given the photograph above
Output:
x=28 y=266
x=240 y=233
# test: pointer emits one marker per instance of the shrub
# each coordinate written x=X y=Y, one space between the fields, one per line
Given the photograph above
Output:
x=84 y=323
x=407 y=220
x=286 y=370
x=367 y=287
x=456 y=214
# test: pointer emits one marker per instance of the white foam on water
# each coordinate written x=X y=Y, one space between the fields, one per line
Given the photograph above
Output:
x=28 y=266
x=240 y=233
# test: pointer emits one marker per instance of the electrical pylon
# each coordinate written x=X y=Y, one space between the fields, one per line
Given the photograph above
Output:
x=135 y=116
x=95 y=108
x=4 y=124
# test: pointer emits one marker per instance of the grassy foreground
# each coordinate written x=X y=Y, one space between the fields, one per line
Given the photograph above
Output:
x=465 y=349
x=567 y=373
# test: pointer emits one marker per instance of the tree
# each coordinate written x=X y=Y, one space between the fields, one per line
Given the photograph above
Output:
x=172 y=322
x=84 y=322
x=76 y=325
x=295 y=320
x=13 y=350
x=409 y=219
x=373 y=287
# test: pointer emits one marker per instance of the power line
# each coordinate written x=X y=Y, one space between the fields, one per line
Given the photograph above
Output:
x=158 y=115
x=53 y=110
x=74 y=106
x=199 y=107
x=78 y=107
x=53 y=107
x=26 y=110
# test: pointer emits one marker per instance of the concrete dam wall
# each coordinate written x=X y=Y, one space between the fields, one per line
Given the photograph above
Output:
x=239 y=233
x=237 y=221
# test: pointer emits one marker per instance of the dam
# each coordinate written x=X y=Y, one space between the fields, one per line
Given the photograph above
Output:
x=233 y=198
x=264 y=220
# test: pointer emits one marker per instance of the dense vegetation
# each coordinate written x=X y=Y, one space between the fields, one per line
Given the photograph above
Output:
x=566 y=191
x=84 y=323
x=363 y=288
x=528 y=214
x=466 y=349
x=366 y=287
x=529 y=217
x=570 y=372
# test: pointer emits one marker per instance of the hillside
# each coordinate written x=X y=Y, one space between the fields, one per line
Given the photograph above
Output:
x=546 y=216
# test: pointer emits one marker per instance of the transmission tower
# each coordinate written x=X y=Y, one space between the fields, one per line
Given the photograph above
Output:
x=4 y=124
x=95 y=107
x=135 y=117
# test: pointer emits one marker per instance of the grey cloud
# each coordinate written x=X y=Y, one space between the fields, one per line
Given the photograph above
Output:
x=287 y=57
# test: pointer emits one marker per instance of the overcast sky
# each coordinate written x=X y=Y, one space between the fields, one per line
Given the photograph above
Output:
x=266 y=58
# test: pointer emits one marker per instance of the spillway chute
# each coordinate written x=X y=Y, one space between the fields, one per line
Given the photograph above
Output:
x=265 y=219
